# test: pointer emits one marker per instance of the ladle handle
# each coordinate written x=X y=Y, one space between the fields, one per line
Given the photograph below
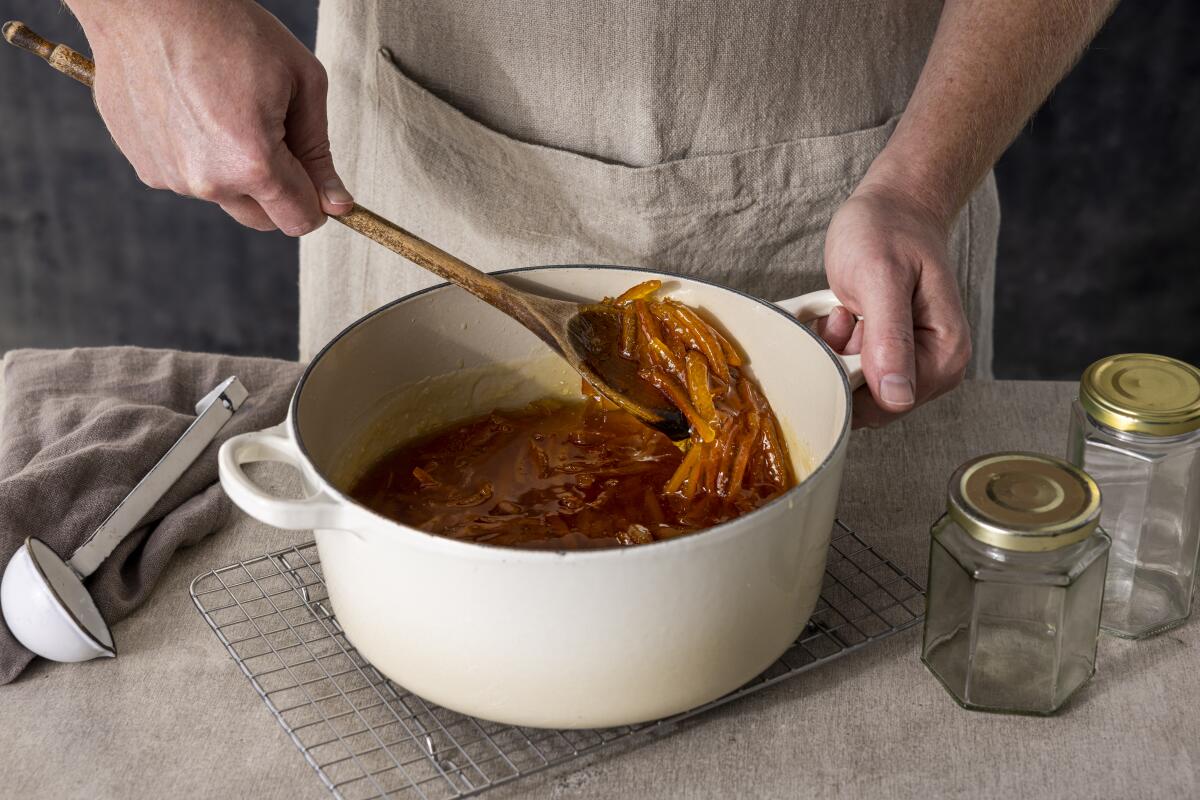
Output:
x=359 y=219
x=213 y=411
x=433 y=258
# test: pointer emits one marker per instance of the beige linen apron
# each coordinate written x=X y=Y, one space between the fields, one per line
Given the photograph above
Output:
x=710 y=139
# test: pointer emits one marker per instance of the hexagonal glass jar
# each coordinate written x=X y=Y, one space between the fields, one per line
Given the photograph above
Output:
x=1016 y=582
x=1135 y=428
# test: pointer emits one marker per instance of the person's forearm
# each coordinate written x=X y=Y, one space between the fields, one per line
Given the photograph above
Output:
x=99 y=17
x=992 y=63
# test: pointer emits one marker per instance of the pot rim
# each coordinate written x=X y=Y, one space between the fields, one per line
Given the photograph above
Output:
x=697 y=539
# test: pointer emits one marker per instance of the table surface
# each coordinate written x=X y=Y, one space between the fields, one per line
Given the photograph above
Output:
x=173 y=715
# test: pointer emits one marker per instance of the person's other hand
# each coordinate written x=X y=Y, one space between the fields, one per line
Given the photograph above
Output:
x=217 y=100
x=886 y=260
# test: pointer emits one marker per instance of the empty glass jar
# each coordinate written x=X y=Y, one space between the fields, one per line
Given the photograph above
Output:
x=1016 y=580
x=1135 y=428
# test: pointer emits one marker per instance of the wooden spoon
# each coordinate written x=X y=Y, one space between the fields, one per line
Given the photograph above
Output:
x=586 y=336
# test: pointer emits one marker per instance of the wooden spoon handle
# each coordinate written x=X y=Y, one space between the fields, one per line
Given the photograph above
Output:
x=439 y=262
x=364 y=221
x=59 y=56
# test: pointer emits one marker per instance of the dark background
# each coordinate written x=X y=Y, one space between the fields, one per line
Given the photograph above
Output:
x=1098 y=247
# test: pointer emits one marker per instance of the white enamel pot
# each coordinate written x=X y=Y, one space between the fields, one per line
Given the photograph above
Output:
x=552 y=639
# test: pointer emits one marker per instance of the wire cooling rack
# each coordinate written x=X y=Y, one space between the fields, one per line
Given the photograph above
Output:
x=367 y=737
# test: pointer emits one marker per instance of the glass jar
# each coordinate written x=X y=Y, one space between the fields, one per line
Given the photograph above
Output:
x=1016 y=581
x=1135 y=428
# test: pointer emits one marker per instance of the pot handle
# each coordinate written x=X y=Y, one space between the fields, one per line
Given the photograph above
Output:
x=315 y=511
x=814 y=305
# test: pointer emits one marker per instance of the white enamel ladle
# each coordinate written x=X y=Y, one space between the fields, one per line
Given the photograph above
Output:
x=45 y=603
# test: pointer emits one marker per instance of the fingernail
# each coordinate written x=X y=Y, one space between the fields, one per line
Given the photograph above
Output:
x=896 y=390
x=335 y=192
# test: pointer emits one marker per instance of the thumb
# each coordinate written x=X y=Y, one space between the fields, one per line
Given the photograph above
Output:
x=889 y=363
x=308 y=138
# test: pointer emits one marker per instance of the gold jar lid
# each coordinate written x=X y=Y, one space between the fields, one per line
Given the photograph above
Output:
x=1024 y=501
x=1142 y=393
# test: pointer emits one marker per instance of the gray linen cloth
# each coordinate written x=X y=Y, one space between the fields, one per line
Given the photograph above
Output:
x=80 y=429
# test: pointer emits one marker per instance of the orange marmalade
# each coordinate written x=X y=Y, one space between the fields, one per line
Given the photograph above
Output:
x=561 y=475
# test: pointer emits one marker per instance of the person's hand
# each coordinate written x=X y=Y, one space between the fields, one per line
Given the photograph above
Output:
x=217 y=100
x=886 y=260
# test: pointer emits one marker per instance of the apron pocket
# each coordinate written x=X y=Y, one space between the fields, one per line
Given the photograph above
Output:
x=753 y=219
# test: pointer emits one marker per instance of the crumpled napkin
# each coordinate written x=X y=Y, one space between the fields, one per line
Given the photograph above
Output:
x=80 y=429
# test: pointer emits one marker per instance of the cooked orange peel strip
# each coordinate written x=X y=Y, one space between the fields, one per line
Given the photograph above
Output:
x=658 y=378
x=686 y=467
x=643 y=289
x=704 y=339
x=698 y=387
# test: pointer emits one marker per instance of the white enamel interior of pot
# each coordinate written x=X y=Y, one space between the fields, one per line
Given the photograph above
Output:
x=583 y=639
